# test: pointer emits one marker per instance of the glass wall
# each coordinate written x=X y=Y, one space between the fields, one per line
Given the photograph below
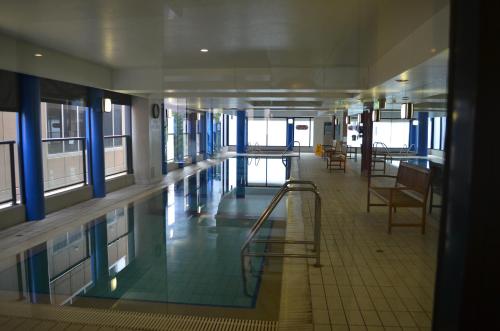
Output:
x=305 y=132
x=394 y=134
x=8 y=132
x=267 y=132
x=232 y=130
x=62 y=159
x=115 y=151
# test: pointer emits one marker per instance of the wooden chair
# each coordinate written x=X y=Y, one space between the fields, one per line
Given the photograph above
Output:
x=337 y=159
x=410 y=190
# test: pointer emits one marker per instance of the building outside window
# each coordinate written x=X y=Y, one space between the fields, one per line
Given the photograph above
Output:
x=62 y=160
x=115 y=124
x=8 y=132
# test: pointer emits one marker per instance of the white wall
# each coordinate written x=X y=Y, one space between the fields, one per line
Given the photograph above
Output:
x=146 y=142
x=319 y=130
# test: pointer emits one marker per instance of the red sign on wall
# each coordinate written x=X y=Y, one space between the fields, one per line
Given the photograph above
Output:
x=302 y=127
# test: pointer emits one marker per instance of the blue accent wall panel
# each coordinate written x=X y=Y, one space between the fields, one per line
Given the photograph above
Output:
x=422 y=133
x=241 y=132
x=95 y=143
x=289 y=136
x=31 y=148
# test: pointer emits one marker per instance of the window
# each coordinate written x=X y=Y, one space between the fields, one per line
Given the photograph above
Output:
x=185 y=135
x=436 y=128
x=199 y=149
x=429 y=133
x=170 y=136
x=116 y=123
x=392 y=134
x=8 y=132
x=443 y=132
x=232 y=130
x=303 y=136
x=257 y=131
x=62 y=160
x=276 y=132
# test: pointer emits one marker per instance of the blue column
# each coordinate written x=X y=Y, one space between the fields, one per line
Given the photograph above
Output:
x=30 y=140
x=422 y=133
x=192 y=136
x=209 y=147
x=203 y=134
x=95 y=143
x=163 y=140
x=179 y=138
x=413 y=137
x=289 y=136
x=241 y=132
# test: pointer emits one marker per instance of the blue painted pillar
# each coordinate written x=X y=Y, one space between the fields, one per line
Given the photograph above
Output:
x=192 y=117
x=203 y=134
x=241 y=132
x=209 y=148
x=38 y=274
x=413 y=136
x=163 y=140
x=95 y=143
x=30 y=140
x=423 y=118
x=289 y=136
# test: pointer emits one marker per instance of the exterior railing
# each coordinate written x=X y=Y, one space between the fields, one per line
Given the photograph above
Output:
x=118 y=155
x=12 y=170
x=65 y=162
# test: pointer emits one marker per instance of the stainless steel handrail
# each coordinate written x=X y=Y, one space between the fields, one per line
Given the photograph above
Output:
x=291 y=144
x=285 y=188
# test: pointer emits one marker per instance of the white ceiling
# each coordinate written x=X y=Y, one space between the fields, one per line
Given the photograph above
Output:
x=291 y=52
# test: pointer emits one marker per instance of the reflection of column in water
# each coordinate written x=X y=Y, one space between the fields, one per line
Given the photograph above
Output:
x=38 y=274
x=241 y=175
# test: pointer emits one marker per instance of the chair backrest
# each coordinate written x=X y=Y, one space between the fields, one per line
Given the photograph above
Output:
x=414 y=177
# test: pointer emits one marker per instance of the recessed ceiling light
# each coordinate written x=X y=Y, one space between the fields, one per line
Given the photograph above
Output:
x=38 y=55
x=203 y=50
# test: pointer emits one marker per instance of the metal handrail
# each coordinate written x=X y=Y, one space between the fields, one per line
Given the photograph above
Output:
x=291 y=144
x=285 y=188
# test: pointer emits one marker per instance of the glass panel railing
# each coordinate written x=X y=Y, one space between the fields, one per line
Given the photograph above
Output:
x=117 y=155
x=64 y=162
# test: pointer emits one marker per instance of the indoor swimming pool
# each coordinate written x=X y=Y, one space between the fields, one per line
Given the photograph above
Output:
x=176 y=251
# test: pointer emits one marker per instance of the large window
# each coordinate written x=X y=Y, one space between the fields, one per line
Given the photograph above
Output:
x=392 y=134
x=62 y=159
x=185 y=135
x=436 y=128
x=170 y=137
x=303 y=131
x=267 y=132
x=8 y=132
x=232 y=130
x=115 y=123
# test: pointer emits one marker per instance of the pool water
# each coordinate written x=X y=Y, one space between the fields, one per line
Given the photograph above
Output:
x=179 y=247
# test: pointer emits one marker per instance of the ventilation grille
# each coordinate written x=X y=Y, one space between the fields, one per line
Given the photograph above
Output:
x=132 y=320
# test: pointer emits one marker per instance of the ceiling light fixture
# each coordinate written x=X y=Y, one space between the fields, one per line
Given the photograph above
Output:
x=38 y=54
x=204 y=50
x=106 y=105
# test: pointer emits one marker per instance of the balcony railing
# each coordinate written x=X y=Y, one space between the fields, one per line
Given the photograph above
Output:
x=8 y=193
x=64 y=162
x=117 y=155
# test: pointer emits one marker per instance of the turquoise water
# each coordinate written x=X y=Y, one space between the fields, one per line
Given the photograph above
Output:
x=180 y=246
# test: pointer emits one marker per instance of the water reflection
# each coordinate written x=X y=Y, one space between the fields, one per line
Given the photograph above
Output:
x=179 y=246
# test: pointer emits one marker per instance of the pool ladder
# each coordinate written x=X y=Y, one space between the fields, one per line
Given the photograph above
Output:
x=298 y=186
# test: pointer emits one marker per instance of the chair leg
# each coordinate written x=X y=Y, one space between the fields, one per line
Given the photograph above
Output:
x=431 y=200
x=389 y=231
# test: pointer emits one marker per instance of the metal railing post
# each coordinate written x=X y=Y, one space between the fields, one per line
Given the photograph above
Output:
x=317 y=229
x=84 y=160
x=12 y=173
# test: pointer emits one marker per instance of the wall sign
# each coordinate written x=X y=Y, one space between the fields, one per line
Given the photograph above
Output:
x=155 y=110
x=302 y=127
